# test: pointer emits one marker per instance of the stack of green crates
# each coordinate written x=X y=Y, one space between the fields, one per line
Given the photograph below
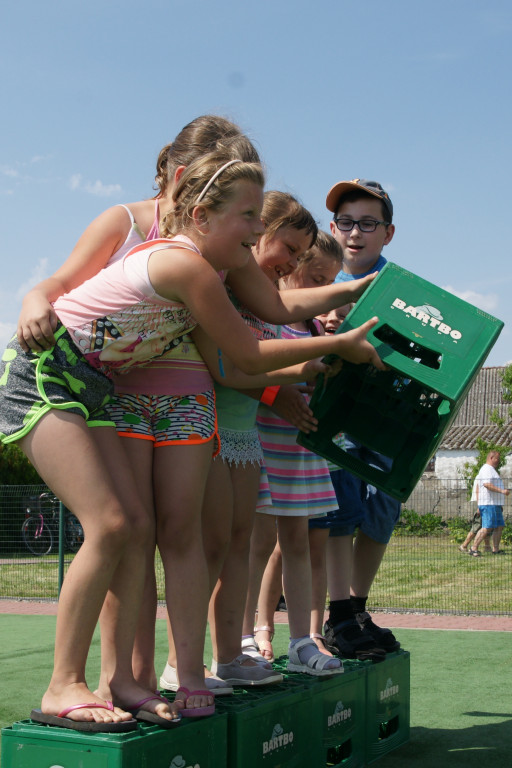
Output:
x=337 y=706
x=342 y=721
x=388 y=695
x=347 y=720
x=433 y=344
x=269 y=726
x=192 y=743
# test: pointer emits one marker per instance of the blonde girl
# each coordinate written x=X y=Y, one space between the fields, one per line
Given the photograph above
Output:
x=180 y=370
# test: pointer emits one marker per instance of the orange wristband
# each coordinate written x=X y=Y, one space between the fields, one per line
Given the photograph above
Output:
x=269 y=394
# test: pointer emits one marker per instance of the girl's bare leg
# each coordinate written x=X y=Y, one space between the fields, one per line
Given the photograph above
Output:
x=139 y=454
x=122 y=606
x=217 y=518
x=84 y=468
x=269 y=594
x=179 y=477
x=294 y=543
x=263 y=543
x=317 y=550
x=228 y=599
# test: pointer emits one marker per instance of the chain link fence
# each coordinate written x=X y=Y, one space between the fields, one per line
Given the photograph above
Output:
x=423 y=570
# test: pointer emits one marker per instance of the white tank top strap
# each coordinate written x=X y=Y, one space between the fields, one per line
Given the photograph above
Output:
x=130 y=214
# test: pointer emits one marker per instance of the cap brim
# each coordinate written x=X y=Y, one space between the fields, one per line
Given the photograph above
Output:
x=338 y=190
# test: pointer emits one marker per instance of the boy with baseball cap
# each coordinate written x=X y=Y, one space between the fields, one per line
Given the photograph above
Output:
x=362 y=526
x=362 y=224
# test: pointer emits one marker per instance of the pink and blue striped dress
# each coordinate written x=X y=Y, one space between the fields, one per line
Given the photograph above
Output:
x=299 y=480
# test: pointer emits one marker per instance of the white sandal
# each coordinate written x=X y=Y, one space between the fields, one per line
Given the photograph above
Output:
x=265 y=646
x=250 y=648
x=169 y=682
x=316 y=665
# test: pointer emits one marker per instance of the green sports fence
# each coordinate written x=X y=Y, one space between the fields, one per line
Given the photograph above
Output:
x=423 y=570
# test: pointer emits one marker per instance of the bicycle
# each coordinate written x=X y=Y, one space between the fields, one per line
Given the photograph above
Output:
x=40 y=529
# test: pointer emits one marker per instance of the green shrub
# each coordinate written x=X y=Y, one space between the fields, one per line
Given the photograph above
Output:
x=413 y=524
x=506 y=536
x=15 y=468
x=458 y=528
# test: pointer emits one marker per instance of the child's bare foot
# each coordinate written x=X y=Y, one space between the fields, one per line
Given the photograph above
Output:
x=58 y=699
x=319 y=641
x=264 y=636
x=139 y=700
x=194 y=697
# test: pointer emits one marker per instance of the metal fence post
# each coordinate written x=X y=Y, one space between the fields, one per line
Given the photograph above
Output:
x=62 y=544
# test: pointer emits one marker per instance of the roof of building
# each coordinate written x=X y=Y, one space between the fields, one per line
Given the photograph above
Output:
x=473 y=419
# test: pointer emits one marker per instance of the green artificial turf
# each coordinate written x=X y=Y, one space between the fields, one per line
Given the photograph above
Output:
x=461 y=700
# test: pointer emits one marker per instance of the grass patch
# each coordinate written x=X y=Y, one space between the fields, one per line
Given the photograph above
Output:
x=425 y=573
x=429 y=573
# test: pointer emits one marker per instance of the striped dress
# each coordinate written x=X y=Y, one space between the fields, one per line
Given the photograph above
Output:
x=299 y=480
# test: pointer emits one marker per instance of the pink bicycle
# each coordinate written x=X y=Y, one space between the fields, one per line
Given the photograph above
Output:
x=40 y=530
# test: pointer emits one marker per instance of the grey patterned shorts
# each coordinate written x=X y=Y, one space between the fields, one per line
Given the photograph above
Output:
x=34 y=383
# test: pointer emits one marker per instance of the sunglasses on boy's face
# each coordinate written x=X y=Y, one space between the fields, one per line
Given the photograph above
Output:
x=345 y=224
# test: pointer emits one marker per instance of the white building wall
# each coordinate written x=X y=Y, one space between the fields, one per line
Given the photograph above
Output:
x=449 y=464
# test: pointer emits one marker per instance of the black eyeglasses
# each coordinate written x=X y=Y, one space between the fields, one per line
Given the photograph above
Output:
x=345 y=224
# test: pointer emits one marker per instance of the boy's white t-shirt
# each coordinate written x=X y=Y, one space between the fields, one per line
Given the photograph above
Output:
x=487 y=474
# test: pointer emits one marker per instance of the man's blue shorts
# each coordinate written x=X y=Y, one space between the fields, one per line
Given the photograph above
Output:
x=360 y=505
x=492 y=516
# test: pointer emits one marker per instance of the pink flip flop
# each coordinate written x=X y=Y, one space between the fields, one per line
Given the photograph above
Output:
x=151 y=717
x=195 y=711
x=84 y=725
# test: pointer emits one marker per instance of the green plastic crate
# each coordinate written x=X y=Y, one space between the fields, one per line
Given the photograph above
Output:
x=270 y=727
x=388 y=693
x=191 y=744
x=434 y=345
x=338 y=708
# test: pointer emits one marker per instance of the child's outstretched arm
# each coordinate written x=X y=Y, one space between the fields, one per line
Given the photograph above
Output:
x=186 y=277
x=252 y=287
x=225 y=372
x=357 y=349
x=101 y=239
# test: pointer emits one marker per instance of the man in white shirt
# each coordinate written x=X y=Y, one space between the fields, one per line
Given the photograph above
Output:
x=488 y=490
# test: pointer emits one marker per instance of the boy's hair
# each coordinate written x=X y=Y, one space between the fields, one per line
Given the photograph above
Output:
x=357 y=189
x=282 y=210
x=206 y=133
x=325 y=245
x=351 y=197
x=195 y=179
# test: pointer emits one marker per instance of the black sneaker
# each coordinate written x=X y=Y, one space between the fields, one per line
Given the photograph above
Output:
x=349 y=641
x=382 y=636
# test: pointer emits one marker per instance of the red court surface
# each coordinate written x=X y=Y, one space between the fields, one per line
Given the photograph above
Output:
x=394 y=620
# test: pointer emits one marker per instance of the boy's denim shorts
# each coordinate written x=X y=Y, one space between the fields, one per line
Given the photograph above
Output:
x=361 y=505
x=492 y=516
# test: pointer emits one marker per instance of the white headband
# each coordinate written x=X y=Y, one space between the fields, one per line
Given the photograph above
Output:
x=213 y=178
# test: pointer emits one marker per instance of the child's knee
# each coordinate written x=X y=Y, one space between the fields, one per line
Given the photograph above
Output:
x=178 y=533
x=120 y=527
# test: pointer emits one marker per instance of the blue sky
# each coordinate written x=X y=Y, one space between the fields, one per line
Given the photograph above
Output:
x=414 y=95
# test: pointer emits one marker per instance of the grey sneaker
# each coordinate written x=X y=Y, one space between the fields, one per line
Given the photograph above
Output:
x=169 y=682
x=235 y=673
